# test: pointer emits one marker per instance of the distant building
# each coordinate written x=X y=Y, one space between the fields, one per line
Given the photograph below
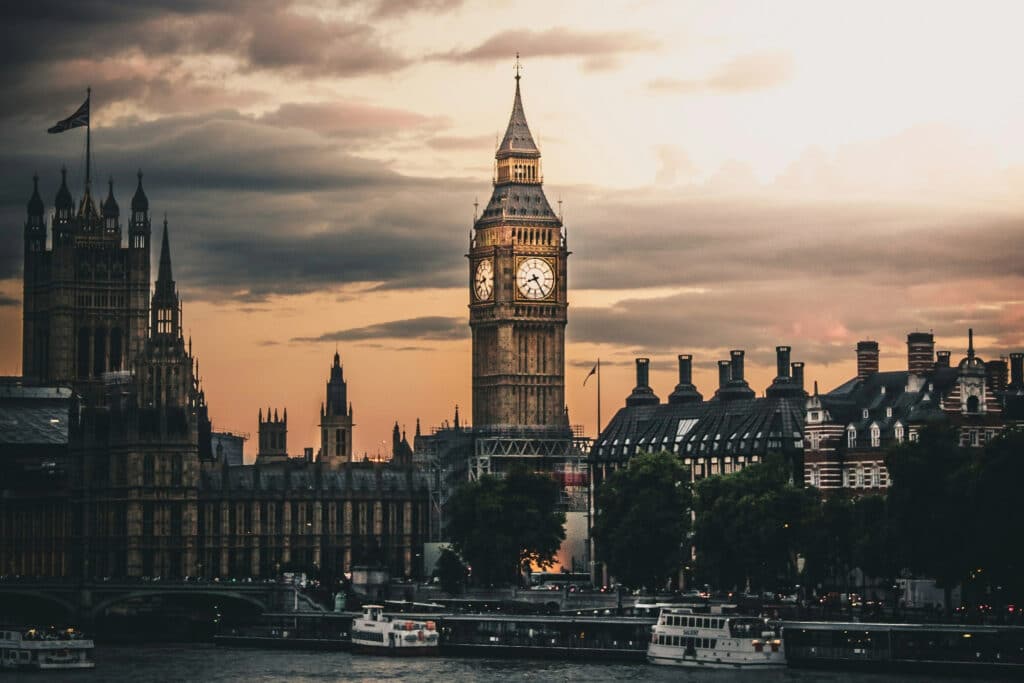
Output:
x=732 y=429
x=849 y=429
x=109 y=464
x=227 y=448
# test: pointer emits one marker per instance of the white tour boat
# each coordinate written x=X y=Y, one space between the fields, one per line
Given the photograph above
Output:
x=380 y=634
x=683 y=637
x=47 y=650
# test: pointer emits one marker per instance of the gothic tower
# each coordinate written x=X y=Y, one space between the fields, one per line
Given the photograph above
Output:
x=86 y=297
x=336 y=418
x=517 y=294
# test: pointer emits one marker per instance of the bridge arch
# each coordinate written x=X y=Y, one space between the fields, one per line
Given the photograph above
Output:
x=68 y=607
x=99 y=608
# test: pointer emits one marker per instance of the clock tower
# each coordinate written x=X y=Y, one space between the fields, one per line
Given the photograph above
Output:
x=517 y=296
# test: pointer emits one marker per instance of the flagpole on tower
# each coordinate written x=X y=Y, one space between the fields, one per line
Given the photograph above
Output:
x=88 y=137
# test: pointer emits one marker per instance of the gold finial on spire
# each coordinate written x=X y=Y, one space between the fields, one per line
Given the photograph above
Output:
x=518 y=66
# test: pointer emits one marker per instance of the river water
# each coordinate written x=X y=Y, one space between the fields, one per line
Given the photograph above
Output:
x=207 y=663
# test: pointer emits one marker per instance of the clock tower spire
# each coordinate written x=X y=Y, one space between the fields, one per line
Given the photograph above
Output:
x=518 y=295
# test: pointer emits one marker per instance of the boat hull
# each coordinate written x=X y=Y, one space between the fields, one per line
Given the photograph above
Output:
x=385 y=651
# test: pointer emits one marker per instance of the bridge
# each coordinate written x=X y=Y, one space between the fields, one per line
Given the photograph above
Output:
x=82 y=602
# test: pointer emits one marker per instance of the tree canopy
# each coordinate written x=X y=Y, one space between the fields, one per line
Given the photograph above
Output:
x=502 y=526
x=643 y=520
x=750 y=526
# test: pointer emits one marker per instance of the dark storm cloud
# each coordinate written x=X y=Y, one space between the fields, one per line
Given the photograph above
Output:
x=255 y=210
x=350 y=119
x=554 y=42
x=427 y=328
x=135 y=51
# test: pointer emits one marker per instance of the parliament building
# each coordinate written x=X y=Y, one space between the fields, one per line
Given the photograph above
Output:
x=107 y=464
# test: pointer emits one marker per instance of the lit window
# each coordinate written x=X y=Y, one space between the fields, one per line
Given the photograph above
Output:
x=851 y=436
x=876 y=436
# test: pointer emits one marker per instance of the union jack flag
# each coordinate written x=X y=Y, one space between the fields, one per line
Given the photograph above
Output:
x=79 y=118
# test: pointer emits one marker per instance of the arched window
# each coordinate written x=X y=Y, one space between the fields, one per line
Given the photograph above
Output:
x=898 y=432
x=851 y=437
x=876 y=436
x=972 y=404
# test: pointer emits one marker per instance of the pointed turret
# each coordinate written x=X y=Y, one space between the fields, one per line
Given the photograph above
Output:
x=518 y=140
x=35 y=202
x=165 y=309
x=139 y=200
x=62 y=203
x=518 y=193
x=111 y=211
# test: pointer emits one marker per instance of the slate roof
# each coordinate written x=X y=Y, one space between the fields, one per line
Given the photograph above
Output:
x=922 y=402
x=34 y=415
x=741 y=427
x=517 y=201
x=518 y=140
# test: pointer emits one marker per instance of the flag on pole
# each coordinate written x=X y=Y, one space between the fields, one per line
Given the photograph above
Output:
x=593 y=371
x=79 y=118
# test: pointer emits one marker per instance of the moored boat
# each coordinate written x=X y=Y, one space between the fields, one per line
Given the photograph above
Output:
x=47 y=650
x=684 y=637
x=380 y=634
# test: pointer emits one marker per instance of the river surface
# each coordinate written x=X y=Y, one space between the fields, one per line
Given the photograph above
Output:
x=207 y=663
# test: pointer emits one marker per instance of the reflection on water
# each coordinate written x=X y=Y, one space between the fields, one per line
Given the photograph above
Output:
x=207 y=663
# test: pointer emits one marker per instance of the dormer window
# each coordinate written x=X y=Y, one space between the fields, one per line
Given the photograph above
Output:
x=898 y=432
x=851 y=437
x=888 y=411
x=864 y=413
x=876 y=436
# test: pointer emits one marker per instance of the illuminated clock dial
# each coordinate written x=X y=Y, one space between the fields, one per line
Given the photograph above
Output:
x=535 y=278
x=483 y=280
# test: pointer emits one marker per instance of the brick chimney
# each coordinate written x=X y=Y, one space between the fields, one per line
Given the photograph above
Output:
x=942 y=359
x=867 y=358
x=920 y=353
x=642 y=392
x=798 y=374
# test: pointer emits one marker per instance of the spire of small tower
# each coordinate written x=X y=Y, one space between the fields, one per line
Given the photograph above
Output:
x=35 y=202
x=139 y=201
x=261 y=415
x=517 y=136
x=417 y=426
x=970 y=342
x=456 y=415
x=166 y=307
x=63 y=202
x=164 y=274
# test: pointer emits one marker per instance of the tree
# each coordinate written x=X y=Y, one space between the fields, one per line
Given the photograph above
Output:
x=502 y=526
x=930 y=508
x=643 y=517
x=999 y=515
x=752 y=525
x=451 y=572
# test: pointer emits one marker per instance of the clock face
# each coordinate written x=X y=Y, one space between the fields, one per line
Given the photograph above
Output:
x=483 y=280
x=535 y=278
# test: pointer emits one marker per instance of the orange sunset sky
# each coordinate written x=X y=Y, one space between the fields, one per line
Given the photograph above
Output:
x=733 y=175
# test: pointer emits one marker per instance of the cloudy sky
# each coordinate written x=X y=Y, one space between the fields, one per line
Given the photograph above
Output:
x=733 y=175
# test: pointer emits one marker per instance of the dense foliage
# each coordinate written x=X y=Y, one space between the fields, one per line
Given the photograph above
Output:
x=644 y=519
x=502 y=527
x=750 y=526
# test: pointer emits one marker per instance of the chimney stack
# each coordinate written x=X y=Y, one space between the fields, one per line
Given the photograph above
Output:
x=685 y=368
x=920 y=352
x=995 y=375
x=782 y=362
x=867 y=358
x=737 y=365
x=685 y=392
x=942 y=359
x=724 y=373
x=642 y=393
x=1017 y=370
x=798 y=374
